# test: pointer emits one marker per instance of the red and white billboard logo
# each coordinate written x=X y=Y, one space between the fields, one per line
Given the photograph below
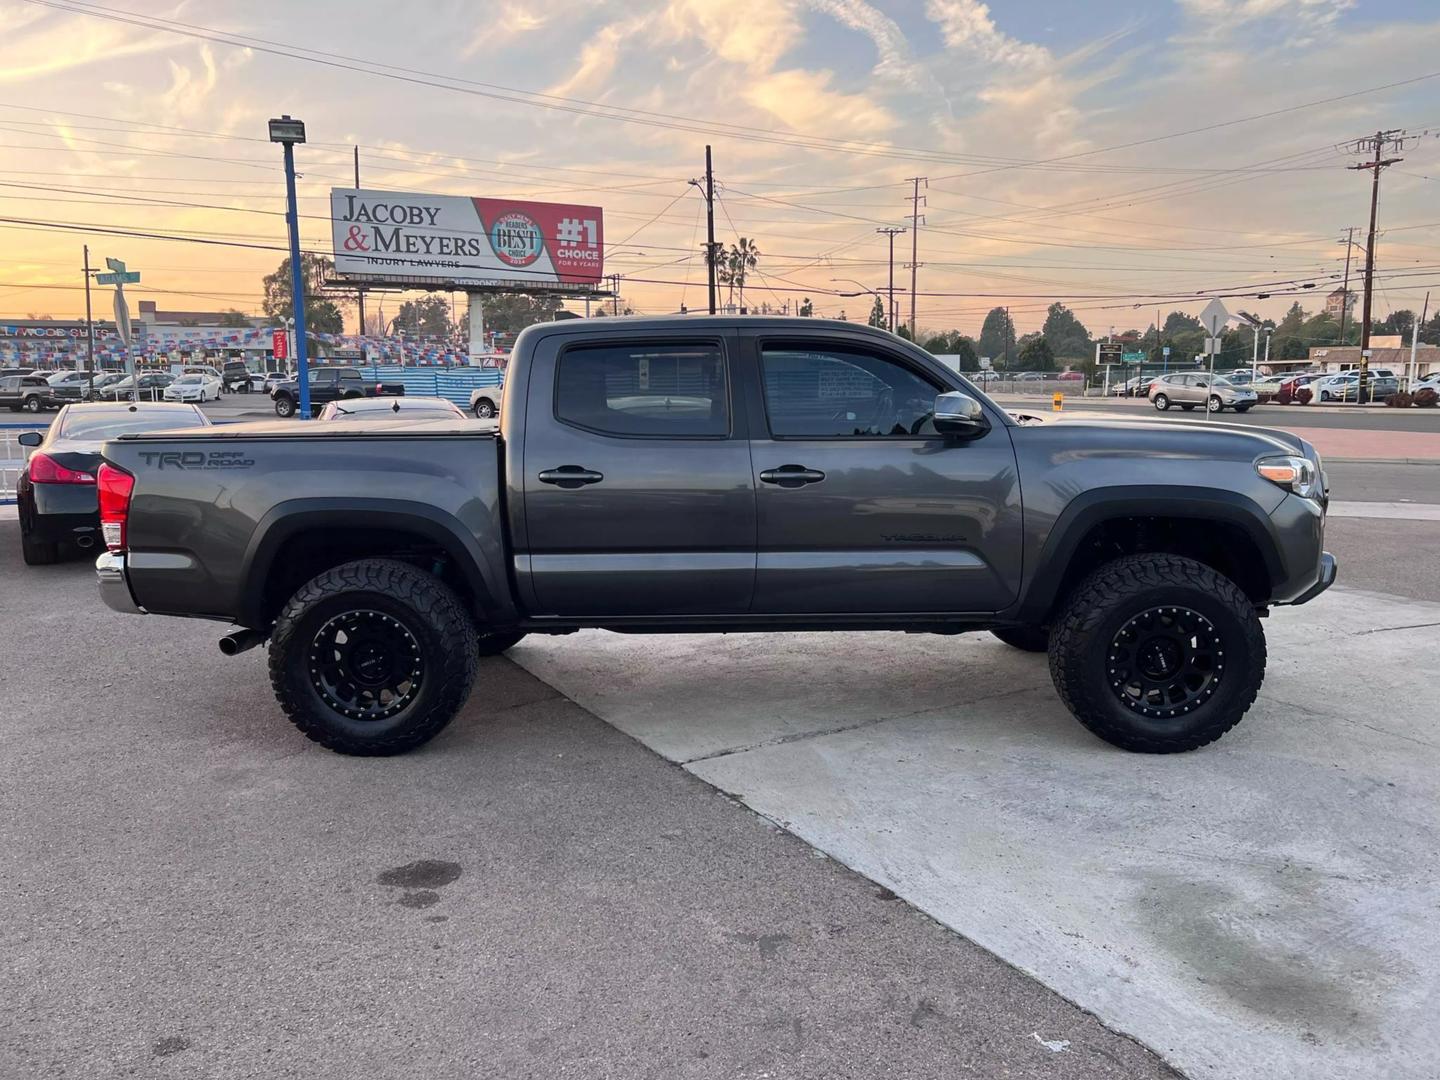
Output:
x=517 y=239
x=280 y=344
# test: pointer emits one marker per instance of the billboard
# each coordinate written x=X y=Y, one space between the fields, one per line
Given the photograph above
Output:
x=453 y=241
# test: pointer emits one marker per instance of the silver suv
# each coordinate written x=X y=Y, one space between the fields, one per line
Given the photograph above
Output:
x=1190 y=388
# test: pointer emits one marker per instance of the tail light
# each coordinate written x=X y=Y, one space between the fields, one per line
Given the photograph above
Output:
x=115 y=487
x=46 y=470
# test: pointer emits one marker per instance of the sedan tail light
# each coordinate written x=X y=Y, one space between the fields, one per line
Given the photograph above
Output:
x=115 y=487
x=46 y=470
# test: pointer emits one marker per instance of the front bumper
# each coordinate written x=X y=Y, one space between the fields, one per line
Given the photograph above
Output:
x=1326 y=578
x=114 y=588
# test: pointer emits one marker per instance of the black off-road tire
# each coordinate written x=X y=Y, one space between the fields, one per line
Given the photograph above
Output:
x=1025 y=638
x=1100 y=608
x=496 y=643
x=426 y=608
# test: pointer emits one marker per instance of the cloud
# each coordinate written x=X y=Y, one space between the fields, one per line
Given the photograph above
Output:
x=804 y=100
x=1303 y=19
x=36 y=45
x=752 y=33
x=966 y=26
x=896 y=61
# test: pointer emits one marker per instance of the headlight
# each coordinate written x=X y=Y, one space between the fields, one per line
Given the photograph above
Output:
x=1297 y=474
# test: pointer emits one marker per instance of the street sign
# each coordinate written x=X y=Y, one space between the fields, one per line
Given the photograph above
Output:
x=122 y=318
x=280 y=344
x=984 y=363
x=121 y=278
x=1212 y=346
x=1133 y=357
x=1109 y=351
x=1214 y=317
x=1165 y=351
x=116 y=265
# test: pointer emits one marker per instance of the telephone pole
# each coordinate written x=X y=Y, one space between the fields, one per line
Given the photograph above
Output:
x=1345 y=288
x=892 y=231
x=1394 y=140
x=90 y=328
x=709 y=191
x=916 y=220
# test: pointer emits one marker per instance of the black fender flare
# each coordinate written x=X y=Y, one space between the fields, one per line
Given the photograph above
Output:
x=1092 y=508
x=289 y=519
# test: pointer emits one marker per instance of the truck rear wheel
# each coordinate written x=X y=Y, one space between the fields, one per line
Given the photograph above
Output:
x=1025 y=638
x=373 y=658
x=1158 y=653
x=284 y=407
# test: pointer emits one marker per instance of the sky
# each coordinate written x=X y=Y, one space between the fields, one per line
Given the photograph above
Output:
x=1058 y=140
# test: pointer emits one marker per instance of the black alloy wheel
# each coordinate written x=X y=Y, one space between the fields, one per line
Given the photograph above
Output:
x=1166 y=661
x=366 y=664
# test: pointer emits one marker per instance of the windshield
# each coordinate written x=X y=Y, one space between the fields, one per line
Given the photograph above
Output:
x=107 y=425
x=189 y=379
x=1220 y=380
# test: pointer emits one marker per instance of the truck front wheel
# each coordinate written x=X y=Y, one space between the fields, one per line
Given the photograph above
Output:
x=373 y=658
x=284 y=407
x=1158 y=653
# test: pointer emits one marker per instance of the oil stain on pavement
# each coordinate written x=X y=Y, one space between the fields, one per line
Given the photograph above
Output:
x=420 y=879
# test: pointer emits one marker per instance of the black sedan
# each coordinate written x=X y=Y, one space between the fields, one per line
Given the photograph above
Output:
x=56 y=494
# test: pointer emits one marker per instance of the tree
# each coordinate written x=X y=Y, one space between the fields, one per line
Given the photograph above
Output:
x=806 y=309
x=235 y=319
x=509 y=313
x=1036 y=355
x=1292 y=322
x=903 y=331
x=429 y=316
x=1177 y=322
x=1398 y=321
x=877 y=314
x=997 y=334
x=1065 y=334
x=322 y=313
x=954 y=343
x=743 y=257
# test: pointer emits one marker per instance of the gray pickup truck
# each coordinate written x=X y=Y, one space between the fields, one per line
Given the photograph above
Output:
x=695 y=475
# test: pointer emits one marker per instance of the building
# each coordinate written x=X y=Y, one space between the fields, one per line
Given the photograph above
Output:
x=155 y=317
x=1345 y=357
x=1338 y=301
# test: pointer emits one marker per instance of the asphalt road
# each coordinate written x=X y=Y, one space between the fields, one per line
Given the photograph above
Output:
x=191 y=889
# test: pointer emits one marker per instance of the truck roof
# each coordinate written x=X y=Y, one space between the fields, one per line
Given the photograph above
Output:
x=793 y=323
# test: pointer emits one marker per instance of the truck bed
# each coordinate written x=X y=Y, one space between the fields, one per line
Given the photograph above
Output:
x=213 y=508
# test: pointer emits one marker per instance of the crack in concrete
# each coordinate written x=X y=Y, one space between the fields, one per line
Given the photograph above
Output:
x=800 y=736
x=1387 y=629
x=1311 y=711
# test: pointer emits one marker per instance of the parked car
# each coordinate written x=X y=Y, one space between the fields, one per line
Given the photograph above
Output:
x=819 y=477
x=1190 y=388
x=392 y=408
x=1377 y=388
x=985 y=376
x=328 y=384
x=1071 y=376
x=6 y=372
x=148 y=386
x=29 y=392
x=1429 y=382
x=55 y=493
x=194 y=387
x=237 y=378
x=274 y=379
x=102 y=381
x=485 y=402
x=1132 y=387
x=68 y=386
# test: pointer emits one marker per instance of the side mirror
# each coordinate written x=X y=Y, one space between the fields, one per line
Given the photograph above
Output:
x=959 y=415
x=30 y=438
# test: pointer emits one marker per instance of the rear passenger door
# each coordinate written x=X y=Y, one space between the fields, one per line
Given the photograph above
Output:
x=637 y=481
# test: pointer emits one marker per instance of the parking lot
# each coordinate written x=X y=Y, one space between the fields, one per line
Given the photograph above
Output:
x=847 y=855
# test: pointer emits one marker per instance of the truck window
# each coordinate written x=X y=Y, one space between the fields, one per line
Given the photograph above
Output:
x=826 y=392
x=650 y=389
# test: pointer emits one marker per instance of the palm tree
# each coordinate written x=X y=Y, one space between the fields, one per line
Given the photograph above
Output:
x=744 y=257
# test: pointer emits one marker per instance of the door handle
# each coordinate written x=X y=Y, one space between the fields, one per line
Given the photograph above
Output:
x=792 y=476
x=571 y=476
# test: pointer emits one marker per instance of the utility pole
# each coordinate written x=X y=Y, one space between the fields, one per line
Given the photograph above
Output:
x=891 y=231
x=1004 y=333
x=360 y=289
x=1413 y=370
x=1345 y=288
x=916 y=220
x=89 y=327
x=710 y=255
x=1395 y=140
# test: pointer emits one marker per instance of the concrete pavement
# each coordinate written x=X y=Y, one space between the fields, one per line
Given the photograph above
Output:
x=192 y=890
x=1259 y=909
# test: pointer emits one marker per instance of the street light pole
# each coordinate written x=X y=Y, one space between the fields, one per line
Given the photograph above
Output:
x=892 y=231
x=89 y=327
x=288 y=132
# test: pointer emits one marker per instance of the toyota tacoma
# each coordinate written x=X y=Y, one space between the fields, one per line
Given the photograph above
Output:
x=700 y=475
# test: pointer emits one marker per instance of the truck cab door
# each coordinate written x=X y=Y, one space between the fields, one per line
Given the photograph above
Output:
x=862 y=506
x=638 y=496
